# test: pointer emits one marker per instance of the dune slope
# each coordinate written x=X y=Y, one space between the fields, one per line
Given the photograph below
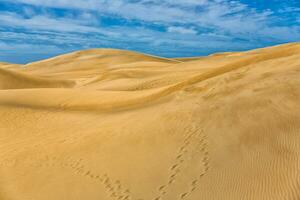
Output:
x=18 y=80
x=106 y=124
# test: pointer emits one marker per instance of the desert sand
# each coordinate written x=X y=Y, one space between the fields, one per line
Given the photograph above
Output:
x=106 y=124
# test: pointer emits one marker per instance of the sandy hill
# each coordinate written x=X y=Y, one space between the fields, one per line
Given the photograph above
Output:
x=10 y=66
x=90 y=62
x=19 y=80
x=106 y=124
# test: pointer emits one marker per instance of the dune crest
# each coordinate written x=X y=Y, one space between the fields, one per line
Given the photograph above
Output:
x=106 y=124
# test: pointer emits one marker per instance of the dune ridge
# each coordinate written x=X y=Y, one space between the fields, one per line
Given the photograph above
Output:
x=115 y=124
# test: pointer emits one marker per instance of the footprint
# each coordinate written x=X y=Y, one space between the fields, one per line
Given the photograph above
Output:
x=205 y=161
x=179 y=160
x=182 y=196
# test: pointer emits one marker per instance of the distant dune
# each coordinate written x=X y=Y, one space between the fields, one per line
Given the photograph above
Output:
x=106 y=124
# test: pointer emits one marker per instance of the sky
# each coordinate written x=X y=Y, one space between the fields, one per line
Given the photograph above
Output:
x=32 y=30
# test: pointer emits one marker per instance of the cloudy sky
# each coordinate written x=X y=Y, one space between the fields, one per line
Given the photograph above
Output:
x=36 y=29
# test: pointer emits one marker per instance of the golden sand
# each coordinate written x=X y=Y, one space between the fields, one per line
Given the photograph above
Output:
x=107 y=124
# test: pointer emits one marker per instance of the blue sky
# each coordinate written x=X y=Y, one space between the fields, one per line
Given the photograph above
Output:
x=31 y=30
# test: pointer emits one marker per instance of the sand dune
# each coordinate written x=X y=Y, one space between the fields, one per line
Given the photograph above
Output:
x=18 y=80
x=107 y=124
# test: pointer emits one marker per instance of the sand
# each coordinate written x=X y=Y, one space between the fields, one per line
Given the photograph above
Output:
x=105 y=124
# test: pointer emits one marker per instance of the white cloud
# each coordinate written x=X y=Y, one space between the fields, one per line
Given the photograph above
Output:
x=226 y=16
x=289 y=9
x=212 y=13
x=28 y=12
x=44 y=22
x=32 y=48
x=182 y=30
x=159 y=11
x=216 y=13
